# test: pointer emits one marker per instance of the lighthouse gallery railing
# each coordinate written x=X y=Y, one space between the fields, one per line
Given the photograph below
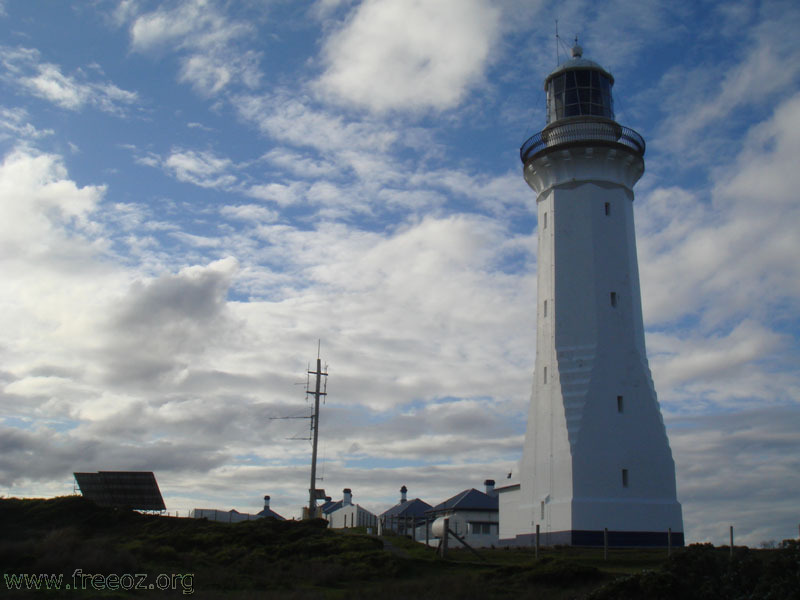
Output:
x=582 y=131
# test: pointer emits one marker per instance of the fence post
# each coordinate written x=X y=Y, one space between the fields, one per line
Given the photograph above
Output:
x=605 y=543
x=669 y=541
x=537 y=541
x=446 y=535
x=731 y=541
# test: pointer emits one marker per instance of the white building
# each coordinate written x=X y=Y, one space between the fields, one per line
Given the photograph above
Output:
x=233 y=515
x=596 y=453
x=221 y=516
x=407 y=517
x=473 y=516
x=268 y=512
x=344 y=513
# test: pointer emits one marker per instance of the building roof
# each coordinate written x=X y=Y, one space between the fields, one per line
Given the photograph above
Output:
x=470 y=499
x=329 y=507
x=268 y=512
x=411 y=508
x=577 y=62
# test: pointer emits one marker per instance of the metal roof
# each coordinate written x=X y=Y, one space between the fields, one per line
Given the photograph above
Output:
x=471 y=499
x=268 y=512
x=410 y=508
x=329 y=507
x=577 y=62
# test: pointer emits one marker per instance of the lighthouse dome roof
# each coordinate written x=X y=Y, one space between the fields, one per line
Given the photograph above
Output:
x=578 y=63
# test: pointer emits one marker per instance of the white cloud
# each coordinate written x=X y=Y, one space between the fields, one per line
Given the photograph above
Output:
x=73 y=92
x=205 y=73
x=250 y=212
x=429 y=285
x=207 y=40
x=738 y=469
x=504 y=195
x=201 y=168
x=198 y=241
x=323 y=8
x=749 y=366
x=50 y=84
x=722 y=90
x=122 y=336
x=294 y=121
x=280 y=193
x=14 y=125
x=720 y=279
x=160 y=323
x=55 y=283
x=357 y=170
x=431 y=61
x=299 y=164
x=741 y=247
x=39 y=203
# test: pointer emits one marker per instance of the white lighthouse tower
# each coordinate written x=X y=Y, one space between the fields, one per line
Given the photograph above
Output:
x=596 y=461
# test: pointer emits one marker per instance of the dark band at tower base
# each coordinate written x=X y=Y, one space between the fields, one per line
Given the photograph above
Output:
x=616 y=539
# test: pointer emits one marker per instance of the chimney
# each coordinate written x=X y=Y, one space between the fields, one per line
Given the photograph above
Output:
x=489 y=483
x=348 y=497
x=403 y=491
x=266 y=502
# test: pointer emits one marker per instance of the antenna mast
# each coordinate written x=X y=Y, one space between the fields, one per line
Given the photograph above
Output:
x=312 y=491
x=557 y=42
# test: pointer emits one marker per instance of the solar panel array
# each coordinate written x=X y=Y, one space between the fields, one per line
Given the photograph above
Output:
x=122 y=489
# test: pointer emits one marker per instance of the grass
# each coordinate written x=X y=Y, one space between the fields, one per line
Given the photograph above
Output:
x=303 y=560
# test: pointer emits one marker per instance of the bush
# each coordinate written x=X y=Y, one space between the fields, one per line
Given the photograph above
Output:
x=702 y=572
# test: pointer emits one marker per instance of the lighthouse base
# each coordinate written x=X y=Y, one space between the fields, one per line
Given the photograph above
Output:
x=616 y=539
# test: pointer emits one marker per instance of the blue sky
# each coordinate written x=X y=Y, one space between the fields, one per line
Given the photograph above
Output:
x=192 y=193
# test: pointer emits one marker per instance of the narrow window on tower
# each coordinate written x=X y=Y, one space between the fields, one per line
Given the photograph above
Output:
x=545 y=308
x=545 y=375
x=542 y=505
x=625 y=478
x=608 y=208
x=614 y=299
x=620 y=407
x=545 y=221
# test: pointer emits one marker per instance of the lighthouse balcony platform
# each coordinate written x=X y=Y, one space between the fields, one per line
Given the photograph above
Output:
x=575 y=132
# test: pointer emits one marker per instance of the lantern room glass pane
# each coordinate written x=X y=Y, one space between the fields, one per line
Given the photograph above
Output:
x=571 y=96
x=579 y=92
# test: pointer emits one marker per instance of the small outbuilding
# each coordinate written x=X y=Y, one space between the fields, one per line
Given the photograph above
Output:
x=234 y=516
x=405 y=517
x=344 y=513
x=473 y=515
x=221 y=516
x=268 y=512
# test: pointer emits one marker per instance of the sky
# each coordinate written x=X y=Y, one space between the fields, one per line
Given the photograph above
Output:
x=194 y=194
